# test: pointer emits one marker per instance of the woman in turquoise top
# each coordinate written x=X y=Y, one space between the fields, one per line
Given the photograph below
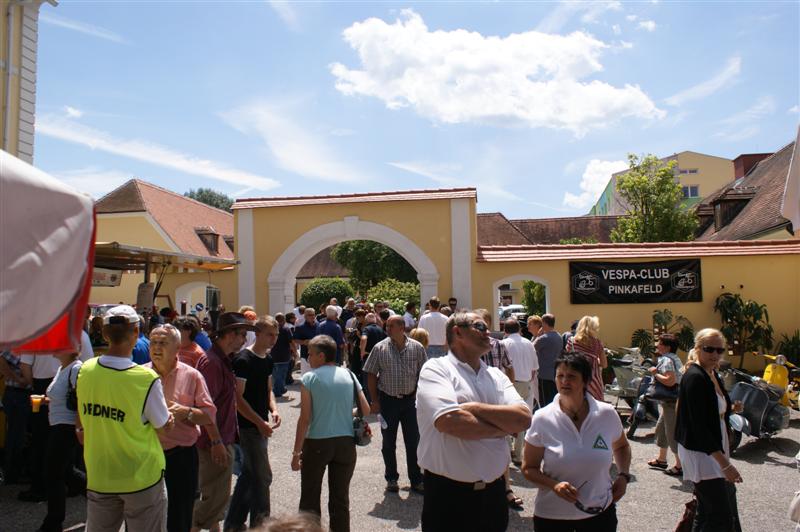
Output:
x=324 y=437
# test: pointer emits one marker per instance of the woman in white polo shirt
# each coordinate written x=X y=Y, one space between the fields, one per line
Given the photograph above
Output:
x=568 y=452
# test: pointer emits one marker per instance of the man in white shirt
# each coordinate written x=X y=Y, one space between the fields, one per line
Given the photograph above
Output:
x=523 y=359
x=465 y=409
x=434 y=322
x=408 y=317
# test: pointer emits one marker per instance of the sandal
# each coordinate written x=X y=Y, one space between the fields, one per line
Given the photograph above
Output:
x=674 y=471
x=657 y=464
x=514 y=502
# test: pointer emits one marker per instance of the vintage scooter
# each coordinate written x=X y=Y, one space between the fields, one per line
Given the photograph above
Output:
x=644 y=408
x=763 y=415
x=780 y=372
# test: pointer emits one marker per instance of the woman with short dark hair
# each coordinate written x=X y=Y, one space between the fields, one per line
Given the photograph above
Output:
x=189 y=352
x=666 y=373
x=569 y=449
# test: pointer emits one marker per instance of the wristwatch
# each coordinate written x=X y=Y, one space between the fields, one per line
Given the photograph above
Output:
x=626 y=476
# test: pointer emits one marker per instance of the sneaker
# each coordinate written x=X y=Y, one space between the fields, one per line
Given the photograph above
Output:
x=392 y=486
x=419 y=487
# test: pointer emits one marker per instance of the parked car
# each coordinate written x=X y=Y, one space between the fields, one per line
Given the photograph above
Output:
x=503 y=313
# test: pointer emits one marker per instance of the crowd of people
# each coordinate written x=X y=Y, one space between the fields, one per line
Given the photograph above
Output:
x=166 y=418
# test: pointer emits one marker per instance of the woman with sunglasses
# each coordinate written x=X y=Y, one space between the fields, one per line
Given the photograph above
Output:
x=569 y=449
x=702 y=436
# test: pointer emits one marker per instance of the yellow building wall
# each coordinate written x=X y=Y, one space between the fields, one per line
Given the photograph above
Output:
x=712 y=174
x=426 y=223
x=772 y=280
x=133 y=230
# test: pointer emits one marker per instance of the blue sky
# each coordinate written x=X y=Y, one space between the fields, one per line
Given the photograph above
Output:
x=534 y=103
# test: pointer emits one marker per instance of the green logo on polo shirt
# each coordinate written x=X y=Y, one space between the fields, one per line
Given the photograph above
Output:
x=600 y=443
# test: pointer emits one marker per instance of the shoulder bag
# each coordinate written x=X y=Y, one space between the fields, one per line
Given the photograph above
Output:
x=362 y=434
x=72 y=393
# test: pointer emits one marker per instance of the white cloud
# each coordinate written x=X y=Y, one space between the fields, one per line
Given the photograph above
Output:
x=794 y=110
x=625 y=45
x=87 y=29
x=295 y=149
x=720 y=80
x=149 y=152
x=593 y=182
x=342 y=132
x=744 y=124
x=648 y=25
x=531 y=79
x=73 y=112
x=93 y=180
x=616 y=29
x=566 y=10
x=631 y=18
x=285 y=11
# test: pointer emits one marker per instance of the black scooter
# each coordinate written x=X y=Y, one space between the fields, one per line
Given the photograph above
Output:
x=643 y=408
x=763 y=416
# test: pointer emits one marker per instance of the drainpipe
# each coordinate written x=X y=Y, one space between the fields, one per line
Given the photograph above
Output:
x=7 y=81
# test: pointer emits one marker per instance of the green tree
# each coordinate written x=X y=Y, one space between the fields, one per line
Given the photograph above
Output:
x=371 y=262
x=653 y=198
x=745 y=324
x=320 y=291
x=533 y=297
x=211 y=197
x=578 y=240
x=397 y=293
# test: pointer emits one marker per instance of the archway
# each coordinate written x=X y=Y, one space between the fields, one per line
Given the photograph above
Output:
x=282 y=276
x=495 y=297
x=193 y=292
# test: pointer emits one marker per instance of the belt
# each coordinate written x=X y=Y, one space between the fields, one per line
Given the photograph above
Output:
x=474 y=486
x=412 y=394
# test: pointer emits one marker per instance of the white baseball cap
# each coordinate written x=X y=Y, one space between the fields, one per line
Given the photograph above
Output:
x=122 y=313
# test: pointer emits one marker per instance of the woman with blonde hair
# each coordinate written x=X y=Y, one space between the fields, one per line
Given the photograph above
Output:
x=587 y=342
x=421 y=336
x=702 y=436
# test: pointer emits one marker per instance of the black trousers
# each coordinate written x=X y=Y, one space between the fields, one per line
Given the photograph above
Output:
x=40 y=427
x=547 y=391
x=717 y=510
x=180 y=477
x=605 y=521
x=397 y=413
x=59 y=457
x=450 y=505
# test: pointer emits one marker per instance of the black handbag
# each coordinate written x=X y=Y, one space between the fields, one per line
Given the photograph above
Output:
x=362 y=434
x=72 y=393
x=659 y=392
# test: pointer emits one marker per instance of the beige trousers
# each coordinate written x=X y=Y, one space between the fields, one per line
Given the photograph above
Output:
x=143 y=510
x=215 y=489
x=524 y=391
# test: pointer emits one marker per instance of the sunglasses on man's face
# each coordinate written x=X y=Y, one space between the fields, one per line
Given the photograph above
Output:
x=712 y=349
x=477 y=325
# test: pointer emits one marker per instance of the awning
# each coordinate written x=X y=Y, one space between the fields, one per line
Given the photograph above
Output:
x=116 y=256
x=47 y=232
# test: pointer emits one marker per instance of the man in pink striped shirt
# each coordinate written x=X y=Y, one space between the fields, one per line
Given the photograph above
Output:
x=190 y=403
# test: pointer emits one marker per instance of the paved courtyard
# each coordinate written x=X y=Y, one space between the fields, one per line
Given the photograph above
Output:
x=654 y=500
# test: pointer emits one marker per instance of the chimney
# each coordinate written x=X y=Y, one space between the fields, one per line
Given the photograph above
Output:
x=745 y=162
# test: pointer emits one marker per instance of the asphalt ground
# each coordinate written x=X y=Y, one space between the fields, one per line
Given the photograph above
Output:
x=654 y=501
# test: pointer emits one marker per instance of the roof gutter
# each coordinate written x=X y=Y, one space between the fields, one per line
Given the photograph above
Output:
x=9 y=68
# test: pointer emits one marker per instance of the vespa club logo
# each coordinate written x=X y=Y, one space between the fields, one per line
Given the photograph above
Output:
x=684 y=281
x=585 y=283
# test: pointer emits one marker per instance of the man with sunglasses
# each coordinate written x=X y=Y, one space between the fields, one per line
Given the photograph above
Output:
x=216 y=456
x=465 y=409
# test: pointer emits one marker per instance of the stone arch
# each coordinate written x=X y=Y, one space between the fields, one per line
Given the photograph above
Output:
x=185 y=290
x=519 y=277
x=282 y=276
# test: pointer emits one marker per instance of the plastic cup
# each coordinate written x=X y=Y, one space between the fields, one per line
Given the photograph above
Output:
x=36 y=402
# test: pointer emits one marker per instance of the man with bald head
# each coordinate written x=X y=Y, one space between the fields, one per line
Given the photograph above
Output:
x=393 y=369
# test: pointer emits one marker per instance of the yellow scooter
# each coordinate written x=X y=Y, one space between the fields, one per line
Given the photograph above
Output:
x=781 y=372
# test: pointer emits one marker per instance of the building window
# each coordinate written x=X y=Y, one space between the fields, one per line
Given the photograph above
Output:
x=691 y=191
x=687 y=171
x=506 y=286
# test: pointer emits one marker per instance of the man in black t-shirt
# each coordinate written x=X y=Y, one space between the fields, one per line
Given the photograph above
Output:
x=255 y=402
x=281 y=354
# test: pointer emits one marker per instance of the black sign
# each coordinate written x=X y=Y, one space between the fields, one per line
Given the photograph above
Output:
x=635 y=282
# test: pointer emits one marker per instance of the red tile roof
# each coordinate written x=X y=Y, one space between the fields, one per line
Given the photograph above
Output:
x=763 y=189
x=645 y=250
x=177 y=215
x=367 y=197
x=554 y=230
x=494 y=229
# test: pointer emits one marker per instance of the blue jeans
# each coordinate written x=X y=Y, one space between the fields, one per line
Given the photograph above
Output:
x=279 y=371
x=399 y=412
x=435 y=351
x=251 y=494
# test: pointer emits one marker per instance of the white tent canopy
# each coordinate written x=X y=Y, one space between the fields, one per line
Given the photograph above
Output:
x=46 y=237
